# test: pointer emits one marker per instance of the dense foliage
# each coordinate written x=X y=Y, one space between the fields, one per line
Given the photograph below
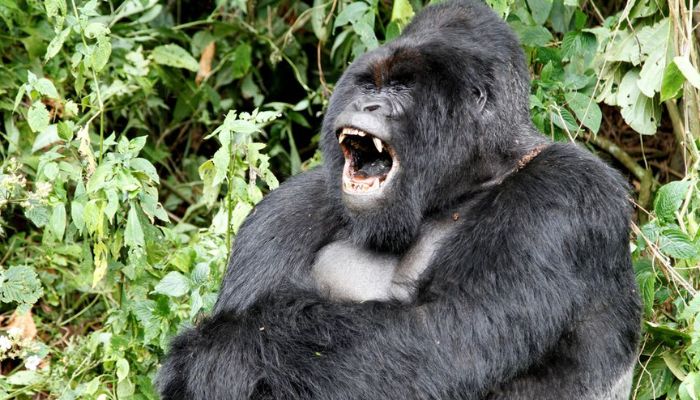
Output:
x=136 y=136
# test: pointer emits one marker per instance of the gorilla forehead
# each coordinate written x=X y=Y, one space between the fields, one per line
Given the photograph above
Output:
x=450 y=37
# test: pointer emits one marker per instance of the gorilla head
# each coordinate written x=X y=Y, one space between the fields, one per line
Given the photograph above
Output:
x=426 y=120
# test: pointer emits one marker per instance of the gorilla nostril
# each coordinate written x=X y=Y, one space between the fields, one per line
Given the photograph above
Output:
x=371 y=107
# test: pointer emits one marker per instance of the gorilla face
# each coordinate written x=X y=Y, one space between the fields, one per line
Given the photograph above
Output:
x=419 y=123
x=369 y=131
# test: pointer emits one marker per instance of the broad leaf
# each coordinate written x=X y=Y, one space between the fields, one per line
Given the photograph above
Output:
x=133 y=233
x=639 y=111
x=669 y=198
x=174 y=56
x=585 y=109
x=174 y=284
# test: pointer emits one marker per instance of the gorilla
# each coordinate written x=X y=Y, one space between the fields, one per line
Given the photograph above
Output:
x=444 y=250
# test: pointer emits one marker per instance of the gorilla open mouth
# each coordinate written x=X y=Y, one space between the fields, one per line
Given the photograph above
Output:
x=370 y=162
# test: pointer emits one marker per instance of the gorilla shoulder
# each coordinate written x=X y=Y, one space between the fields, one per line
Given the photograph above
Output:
x=283 y=232
x=567 y=176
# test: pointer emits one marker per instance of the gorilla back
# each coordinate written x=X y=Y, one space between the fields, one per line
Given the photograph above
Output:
x=444 y=250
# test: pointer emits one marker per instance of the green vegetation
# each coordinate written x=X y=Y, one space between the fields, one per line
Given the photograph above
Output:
x=136 y=135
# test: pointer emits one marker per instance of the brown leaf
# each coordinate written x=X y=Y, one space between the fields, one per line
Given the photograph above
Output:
x=23 y=322
x=205 y=62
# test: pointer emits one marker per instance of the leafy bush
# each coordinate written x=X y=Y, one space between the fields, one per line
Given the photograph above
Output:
x=137 y=135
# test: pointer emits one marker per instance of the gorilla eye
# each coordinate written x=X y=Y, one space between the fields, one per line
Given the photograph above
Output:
x=366 y=82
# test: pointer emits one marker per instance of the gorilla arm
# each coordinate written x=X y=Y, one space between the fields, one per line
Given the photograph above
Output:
x=496 y=310
x=488 y=313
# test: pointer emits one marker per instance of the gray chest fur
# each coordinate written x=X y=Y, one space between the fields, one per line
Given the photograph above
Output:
x=346 y=272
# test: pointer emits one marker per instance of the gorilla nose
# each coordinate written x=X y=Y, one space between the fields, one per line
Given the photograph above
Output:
x=371 y=104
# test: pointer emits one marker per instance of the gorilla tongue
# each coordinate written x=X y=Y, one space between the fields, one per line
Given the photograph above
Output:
x=379 y=167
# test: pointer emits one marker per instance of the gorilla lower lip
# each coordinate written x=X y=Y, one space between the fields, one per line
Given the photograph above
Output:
x=368 y=167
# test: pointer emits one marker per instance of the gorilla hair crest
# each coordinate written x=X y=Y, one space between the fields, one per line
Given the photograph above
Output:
x=444 y=250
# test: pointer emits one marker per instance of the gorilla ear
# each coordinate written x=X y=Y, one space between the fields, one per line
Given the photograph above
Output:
x=480 y=97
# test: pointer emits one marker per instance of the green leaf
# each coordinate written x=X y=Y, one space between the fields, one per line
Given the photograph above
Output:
x=55 y=7
x=240 y=212
x=690 y=387
x=50 y=170
x=540 y=10
x=174 y=284
x=46 y=88
x=674 y=364
x=93 y=216
x=241 y=60
x=122 y=369
x=112 y=206
x=501 y=7
x=674 y=243
x=565 y=121
x=38 y=116
x=208 y=173
x=58 y=220
x=102 y=176
x=688 y=70
x=639 y=111
x=200 y=273
x=672 y=82
x=669 y=198
x=136 y=145
x=351 y=12
x=100 y=54
x=174 y=56
x=402 y=11
x=46 y=138
x=133 y=234
x=56 y=44
x=318 y=15
x=39 y=215
x=651 y=75
x=25 y=378
x=585 y=109
x=393 y=30
x=532 y=36
x=20 y=284
x=125 y=389
x=76 y=212
x=145 y=166
x=654 y=381
x=96 y=30
x=578 y=44
x=365 y=31
x=18 y=98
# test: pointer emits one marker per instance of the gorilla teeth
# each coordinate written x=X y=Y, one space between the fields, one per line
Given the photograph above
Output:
x=341 y=137
x=363 y=187
x=377 y=144
x=353 y=131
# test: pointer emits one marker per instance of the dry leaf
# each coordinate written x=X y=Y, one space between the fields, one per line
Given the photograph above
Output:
x=205 y=62
x=24 y=323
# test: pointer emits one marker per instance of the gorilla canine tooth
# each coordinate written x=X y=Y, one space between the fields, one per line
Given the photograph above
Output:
x=341 y=138
x=377 y=144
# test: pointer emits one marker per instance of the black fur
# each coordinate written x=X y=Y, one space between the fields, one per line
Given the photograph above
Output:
x=531 y=297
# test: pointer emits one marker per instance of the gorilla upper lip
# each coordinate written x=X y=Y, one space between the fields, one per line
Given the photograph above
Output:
x=370 y=162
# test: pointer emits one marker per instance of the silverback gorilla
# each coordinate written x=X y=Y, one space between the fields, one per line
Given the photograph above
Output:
x=444 y=250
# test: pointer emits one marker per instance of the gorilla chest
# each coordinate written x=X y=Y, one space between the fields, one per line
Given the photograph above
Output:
x=344 y=271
